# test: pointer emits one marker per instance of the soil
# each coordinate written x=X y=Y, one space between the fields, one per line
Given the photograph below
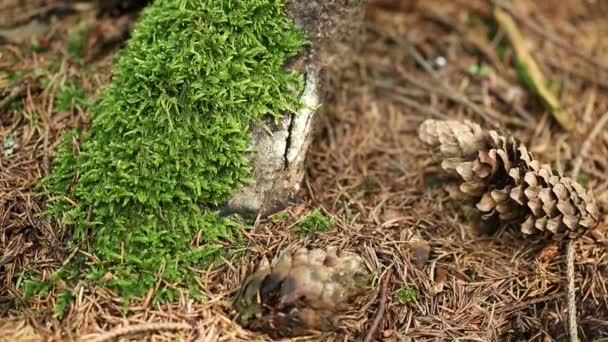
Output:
x=366 y=170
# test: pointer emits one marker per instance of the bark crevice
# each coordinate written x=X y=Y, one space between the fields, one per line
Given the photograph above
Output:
x=334 y=29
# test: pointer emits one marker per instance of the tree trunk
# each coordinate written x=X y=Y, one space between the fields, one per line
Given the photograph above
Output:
x=334 y=28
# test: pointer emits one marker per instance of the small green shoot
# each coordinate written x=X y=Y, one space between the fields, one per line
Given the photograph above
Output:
x=32 y=287
x=14 y=106
x=375 y=280
x=280 y=217
x=62 y=304
x=313 y=223
x=583 y=180
x=406 y=295
x=481 y=70
x=351 y=214
x=76 y=41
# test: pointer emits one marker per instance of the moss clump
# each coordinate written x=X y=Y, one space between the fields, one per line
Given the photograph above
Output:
x=313 y=223
x=406 y=294
x=169 y=139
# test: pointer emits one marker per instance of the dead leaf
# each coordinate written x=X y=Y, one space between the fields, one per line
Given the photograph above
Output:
x=421 y=250
x=441 y=275
x=549 y=252
x=108 y=276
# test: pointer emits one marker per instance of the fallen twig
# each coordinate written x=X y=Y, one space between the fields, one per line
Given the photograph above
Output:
x=473 y=39
x=413 y=103
x=572 y=326
x=550 y=36
x=444 y=89
x=578 y=162
x=381 y=307
x=519 y=306
x=537 y=80
x=517 y=108
x=565 y=67
x=461 y=99
x=453 y=93
x=134 y=329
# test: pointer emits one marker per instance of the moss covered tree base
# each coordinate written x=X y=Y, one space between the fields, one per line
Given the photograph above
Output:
x=202 y=116
x=335 y=31
x=170 y=141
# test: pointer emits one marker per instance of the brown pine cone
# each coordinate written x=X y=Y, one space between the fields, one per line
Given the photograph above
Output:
x=500 y=176
x=300 y=293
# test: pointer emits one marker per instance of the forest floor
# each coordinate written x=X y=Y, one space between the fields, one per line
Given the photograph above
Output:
x=367 y=171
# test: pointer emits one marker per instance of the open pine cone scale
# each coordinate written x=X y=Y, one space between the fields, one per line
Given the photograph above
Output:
x=300 y=293
x=501 y=177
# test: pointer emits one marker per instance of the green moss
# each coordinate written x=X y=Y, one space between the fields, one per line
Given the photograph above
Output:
x=583 y=180
x=76 y=41
x=32 y=286
x=14 y=106
x=63 y=302
x=280 y=217
x=169 y=140
x=406 y=294
x=69 y=93
x=314 y=222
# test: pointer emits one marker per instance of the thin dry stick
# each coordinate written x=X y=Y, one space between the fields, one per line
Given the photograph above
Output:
x=445 y=89
x=456 y=95
x=448 y=90
x=135 y=329
x=550 y=36
x=413 y=103
x=572 y=326
x=381 y=307
x=478 y=41
x=578 y=162
x=595 y=78
x=534 y=73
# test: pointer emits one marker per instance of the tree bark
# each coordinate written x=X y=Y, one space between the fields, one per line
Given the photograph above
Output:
x=334 y=28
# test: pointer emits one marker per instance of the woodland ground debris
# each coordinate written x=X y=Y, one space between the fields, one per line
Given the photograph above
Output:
x=314 y=222
x=491 y=288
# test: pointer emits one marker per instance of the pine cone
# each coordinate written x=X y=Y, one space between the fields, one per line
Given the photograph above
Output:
x=500 y=176
x=300 y=293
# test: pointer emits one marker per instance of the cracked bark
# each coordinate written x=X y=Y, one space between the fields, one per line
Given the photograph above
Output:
x=335 y=29
x=288 y=141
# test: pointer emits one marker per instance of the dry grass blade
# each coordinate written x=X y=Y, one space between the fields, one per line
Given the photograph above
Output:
x=597 y=129
x=536 y=78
